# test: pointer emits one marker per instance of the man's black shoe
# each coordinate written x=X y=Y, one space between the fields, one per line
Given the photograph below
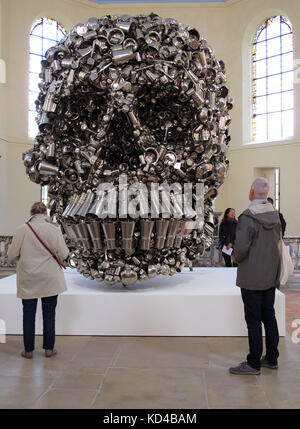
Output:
x=266 y=364
x=244 y=369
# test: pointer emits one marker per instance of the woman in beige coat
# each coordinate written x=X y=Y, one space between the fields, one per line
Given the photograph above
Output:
x=39 y=275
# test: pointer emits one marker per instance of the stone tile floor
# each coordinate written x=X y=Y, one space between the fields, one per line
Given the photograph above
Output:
x=145 y=372
x=149 y=372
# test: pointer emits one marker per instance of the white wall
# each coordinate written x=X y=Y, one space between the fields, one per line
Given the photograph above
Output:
x=227 y=27
x=245 y=17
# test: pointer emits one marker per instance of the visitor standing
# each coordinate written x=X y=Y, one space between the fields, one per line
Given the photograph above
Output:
x=38 y=245
x=227 y=233
x=258 y=275
x=282 y=220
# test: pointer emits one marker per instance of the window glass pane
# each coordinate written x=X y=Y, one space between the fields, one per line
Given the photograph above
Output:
x=262 y=35
x=260 y=68
x=46 y=29
x=261 y=105
x=288 y=123
x=273 y=47
x=260 y=51
x=287 y=100
x=287 y=62
x=273 y=80
x=32 y=97
x=274 y=84
x=35 y=63
x=285 y=28
x=287 y=81
x=261 y=127
x=44 y=194
x=274 y=126
x=37 y=31
x=274 y=103
x=50 y=30
x=60 y=34
x=32 y=125
x=287 y=43
x=34 y=80
x=261 y=86
x=35 y=45
x=274 y=65
x=47 y=44
x=273 y=29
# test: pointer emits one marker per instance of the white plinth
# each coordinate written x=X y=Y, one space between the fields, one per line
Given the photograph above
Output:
x=204 y=302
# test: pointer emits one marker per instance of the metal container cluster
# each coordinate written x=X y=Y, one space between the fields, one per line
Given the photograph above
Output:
x=142 y=96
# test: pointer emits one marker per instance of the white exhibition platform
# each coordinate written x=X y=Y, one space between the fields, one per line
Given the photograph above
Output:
x=204 y=302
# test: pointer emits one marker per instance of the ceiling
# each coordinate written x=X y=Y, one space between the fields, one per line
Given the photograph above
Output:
x=155 y=1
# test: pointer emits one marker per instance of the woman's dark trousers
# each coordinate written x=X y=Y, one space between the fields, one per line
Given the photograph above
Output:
x=259 y=308
x=227 y=260
x=29 y=311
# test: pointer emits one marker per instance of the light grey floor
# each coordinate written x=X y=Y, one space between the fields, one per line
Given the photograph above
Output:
x=145 y=372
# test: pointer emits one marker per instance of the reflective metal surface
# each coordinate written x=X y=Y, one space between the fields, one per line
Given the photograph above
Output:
x=142 y=96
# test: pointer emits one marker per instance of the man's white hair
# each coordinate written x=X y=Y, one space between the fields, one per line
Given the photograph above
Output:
x=260 y=187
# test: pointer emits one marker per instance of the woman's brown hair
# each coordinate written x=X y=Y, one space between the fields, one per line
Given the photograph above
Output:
x=38 y=208
x=225 y=218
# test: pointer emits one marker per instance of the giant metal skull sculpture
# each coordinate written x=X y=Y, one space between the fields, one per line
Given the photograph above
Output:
x=137 y=96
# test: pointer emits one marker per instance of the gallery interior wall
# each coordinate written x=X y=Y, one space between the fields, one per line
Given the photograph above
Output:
x=228 y=27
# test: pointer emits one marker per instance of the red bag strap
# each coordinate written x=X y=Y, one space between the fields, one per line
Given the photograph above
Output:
x=57 y=260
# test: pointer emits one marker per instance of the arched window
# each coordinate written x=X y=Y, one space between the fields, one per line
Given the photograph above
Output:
x=44 y=34
x=44 y=194
x=273 y=80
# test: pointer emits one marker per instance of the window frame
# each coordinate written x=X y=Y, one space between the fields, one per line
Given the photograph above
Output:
x=44 y=194
x=60 y=32
x=254 y=79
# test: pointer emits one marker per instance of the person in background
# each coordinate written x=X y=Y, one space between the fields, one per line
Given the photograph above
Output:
x=258 y=275
x=227 y=234
x=39 y=274
x=216 y=226
x=282 y=221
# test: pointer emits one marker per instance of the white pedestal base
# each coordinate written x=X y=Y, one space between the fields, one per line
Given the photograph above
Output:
x=204 y=302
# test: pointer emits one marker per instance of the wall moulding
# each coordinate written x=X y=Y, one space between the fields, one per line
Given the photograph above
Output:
x=166 y=5
x=266 y=145
x=16 y=140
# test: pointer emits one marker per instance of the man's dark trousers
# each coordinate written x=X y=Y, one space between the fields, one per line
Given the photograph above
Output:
x=259 y=308
x=29 y=311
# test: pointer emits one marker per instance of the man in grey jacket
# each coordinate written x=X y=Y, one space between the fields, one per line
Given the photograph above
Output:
x=258 y=256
